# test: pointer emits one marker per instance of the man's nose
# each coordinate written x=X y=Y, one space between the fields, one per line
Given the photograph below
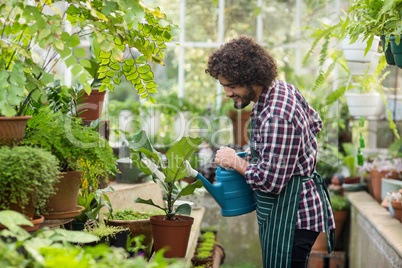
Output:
x=228 y=92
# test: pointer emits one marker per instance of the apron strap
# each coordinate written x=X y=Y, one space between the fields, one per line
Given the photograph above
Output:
x=323 y=191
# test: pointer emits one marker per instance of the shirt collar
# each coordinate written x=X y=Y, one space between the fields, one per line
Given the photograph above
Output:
x=260 y=104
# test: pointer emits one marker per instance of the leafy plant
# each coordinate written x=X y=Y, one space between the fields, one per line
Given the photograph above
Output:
x=349 y=159
x=104 y=231
x=27 y=174
x=93 y=203
x=149 y=161
x=51 y=248
x=128 y=214
x=340 y=202
x=70 y=142
x=35 y=40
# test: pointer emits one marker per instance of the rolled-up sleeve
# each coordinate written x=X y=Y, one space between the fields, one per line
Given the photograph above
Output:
x=277 y=142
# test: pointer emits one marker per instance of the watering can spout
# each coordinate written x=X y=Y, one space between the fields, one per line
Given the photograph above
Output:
x=216 y=190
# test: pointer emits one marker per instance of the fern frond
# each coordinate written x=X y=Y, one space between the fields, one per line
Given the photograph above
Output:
x=335 y=95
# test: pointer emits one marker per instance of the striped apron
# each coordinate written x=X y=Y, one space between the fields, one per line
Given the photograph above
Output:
x=277 y=217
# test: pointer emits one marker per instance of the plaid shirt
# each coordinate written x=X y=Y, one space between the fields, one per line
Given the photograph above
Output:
x=285 y=139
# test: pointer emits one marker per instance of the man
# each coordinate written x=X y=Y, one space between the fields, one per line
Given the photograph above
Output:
x=292 y=201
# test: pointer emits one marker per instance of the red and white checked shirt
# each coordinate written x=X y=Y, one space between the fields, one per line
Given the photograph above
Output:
x=285 y=139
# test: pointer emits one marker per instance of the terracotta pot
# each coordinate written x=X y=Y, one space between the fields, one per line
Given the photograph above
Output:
x=171 y=235
x=29 y=209
x=376 y=177
x=12 y=129
x=66 y=196
x=240 y=127
x=340 y=219
x=92 y=105
x=397 y=206
x=37 y=220
x=351 y=180
x=137 y=227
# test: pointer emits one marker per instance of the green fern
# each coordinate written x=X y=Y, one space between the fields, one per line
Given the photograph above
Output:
x=335 y=95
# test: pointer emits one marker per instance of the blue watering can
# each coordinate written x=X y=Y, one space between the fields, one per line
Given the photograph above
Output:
x=231 y=192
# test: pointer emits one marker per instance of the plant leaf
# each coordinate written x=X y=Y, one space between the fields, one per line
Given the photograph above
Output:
x=148 y=202
x=183 y=209
x=177 y=156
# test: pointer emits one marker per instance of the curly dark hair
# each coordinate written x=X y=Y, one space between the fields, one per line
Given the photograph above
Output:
x=243 y=61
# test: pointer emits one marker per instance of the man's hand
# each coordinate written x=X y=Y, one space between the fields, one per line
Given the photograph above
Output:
x=225 y=157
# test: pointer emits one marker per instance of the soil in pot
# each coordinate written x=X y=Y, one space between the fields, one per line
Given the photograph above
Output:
x=172 y=235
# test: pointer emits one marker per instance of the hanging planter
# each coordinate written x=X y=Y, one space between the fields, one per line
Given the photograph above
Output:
x=364 y=104
x=387 y=51
x=12 y=129
x=396 y=51
x=358 y=62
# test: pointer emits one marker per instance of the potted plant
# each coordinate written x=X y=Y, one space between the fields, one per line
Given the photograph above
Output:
x=171 y=230
x=27 y=179
x=71 y=143
x=137 y=222
x=92 y=203
x=349 y=161
x=112 y=235
x=205 y=249
x=51 y=248
x=379 y=167
x=396 y=205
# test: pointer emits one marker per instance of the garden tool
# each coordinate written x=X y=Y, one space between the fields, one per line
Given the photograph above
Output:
x=231 y=192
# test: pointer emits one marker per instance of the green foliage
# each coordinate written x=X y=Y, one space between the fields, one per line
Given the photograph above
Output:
x=349 y=159
x=365 y=20
x=52 y=248
x=210 y=228
x=202 y=255
x=149 y=161
x=93 y=203
x=70 y=142
x=207 y=237
x=34 y=42
x=25 y=173
x=105 y=231
x=339 y=202
x=130 y=214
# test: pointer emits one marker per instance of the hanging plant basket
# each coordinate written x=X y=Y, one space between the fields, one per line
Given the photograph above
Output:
x=12 y=129
x=389 y=57
x=396 y=51
x=358 y=62
x=364 y=104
